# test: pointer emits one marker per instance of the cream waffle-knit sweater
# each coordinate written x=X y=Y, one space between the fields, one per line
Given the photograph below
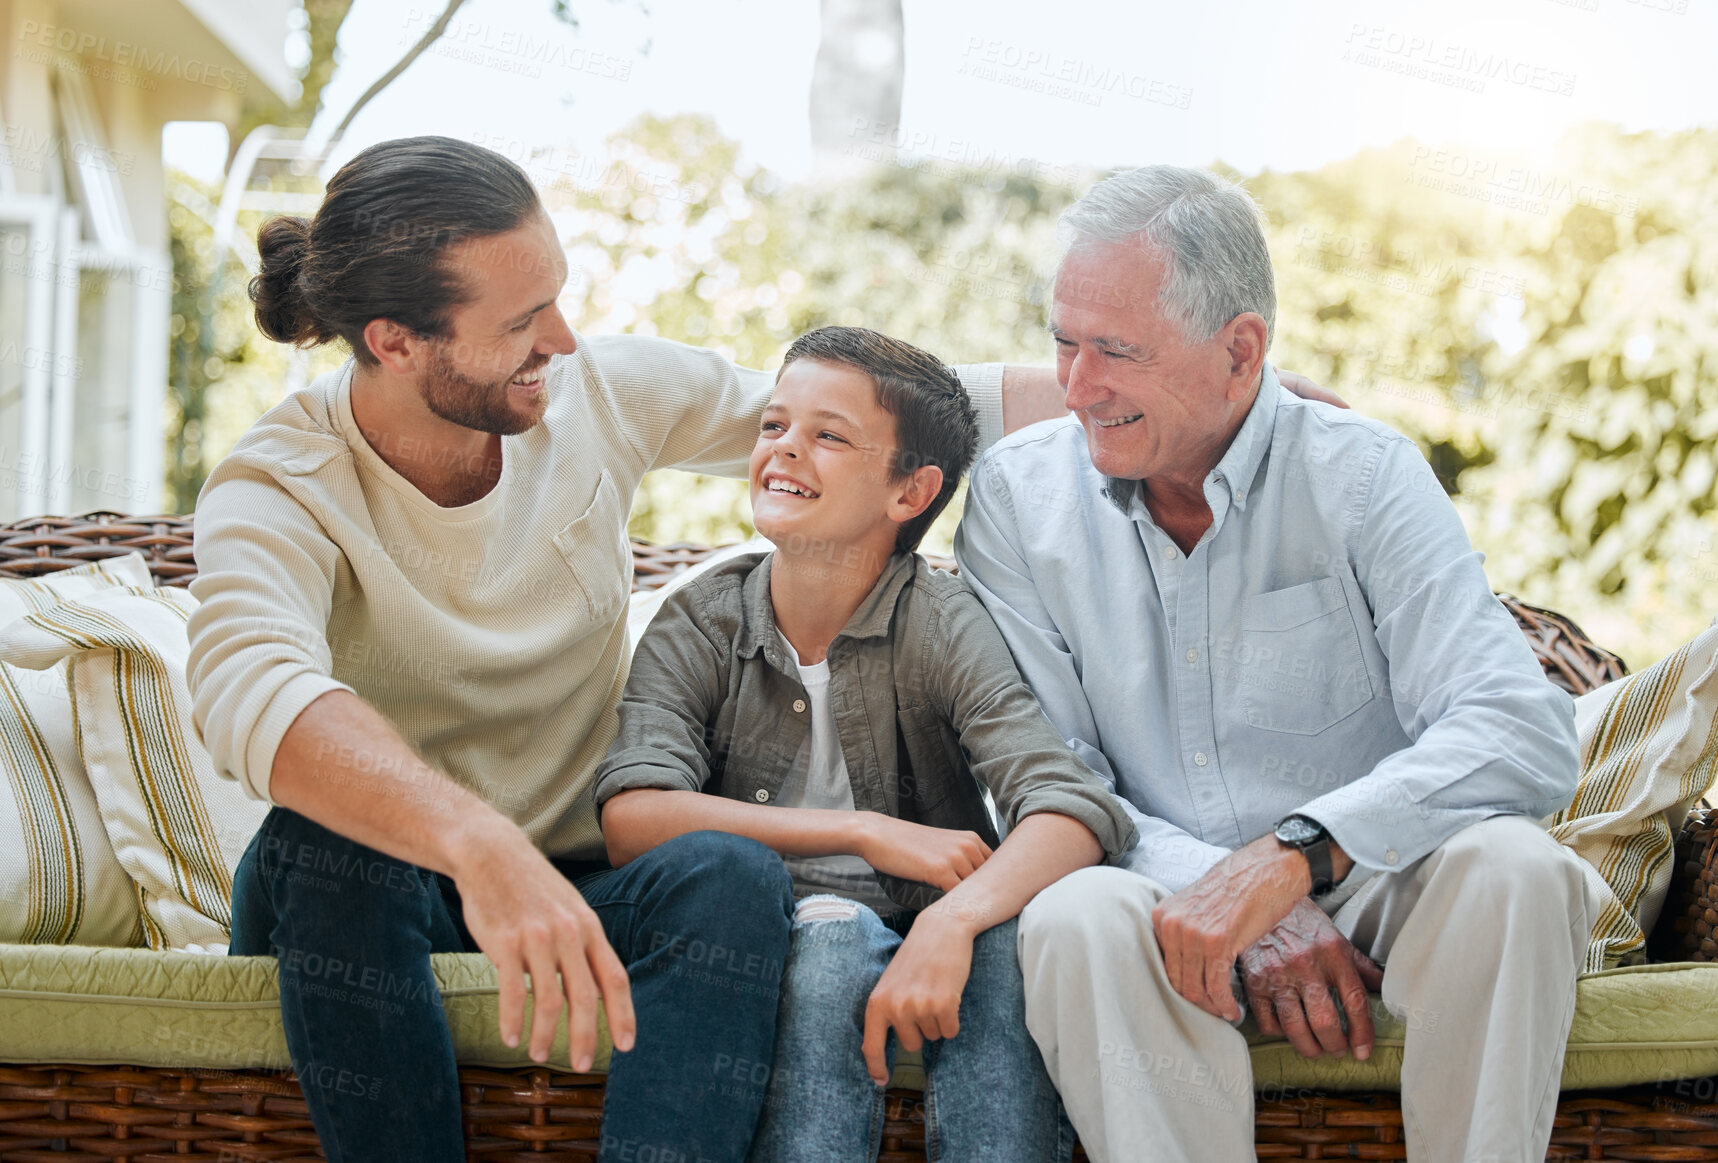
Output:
x=492 y=635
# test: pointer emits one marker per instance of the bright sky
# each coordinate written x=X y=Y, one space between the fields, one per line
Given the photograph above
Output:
x=1256 y=83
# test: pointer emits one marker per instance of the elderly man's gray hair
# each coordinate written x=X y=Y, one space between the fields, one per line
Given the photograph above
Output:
x=1208 y=232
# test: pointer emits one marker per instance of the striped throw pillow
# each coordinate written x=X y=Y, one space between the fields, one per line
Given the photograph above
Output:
x=60 y=882
x=1649 y=750
x=177 y=827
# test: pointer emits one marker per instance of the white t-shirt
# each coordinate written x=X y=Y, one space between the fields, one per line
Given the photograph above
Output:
x=819 y=780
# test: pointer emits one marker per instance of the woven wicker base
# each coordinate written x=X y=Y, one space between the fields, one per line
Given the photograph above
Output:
x=99 y=1114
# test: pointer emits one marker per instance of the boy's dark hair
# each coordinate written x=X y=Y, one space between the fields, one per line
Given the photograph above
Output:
x=375 y=247
x=934 y=418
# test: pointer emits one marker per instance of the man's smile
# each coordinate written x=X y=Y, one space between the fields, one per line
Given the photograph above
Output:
x=530 y=380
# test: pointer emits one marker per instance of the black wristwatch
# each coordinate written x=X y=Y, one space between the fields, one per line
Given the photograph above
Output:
x=1314 y=843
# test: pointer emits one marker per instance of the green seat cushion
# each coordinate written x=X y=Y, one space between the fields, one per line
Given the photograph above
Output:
x=80 y=1005
x=1645 y=1023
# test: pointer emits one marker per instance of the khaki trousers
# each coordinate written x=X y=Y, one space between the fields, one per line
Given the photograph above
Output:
x=1481 y=943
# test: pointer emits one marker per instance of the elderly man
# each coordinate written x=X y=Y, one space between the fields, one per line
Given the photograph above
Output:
x=1261 y=620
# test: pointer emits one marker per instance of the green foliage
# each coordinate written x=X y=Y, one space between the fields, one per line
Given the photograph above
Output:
x=323 y=20
x=1553 y=358
x=1492 y=318
x=205 y=340
x=222 y=372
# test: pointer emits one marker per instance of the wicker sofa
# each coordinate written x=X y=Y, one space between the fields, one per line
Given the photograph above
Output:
x=191 y=1102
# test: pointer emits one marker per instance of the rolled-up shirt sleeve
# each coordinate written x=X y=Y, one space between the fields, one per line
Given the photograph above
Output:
x=986 y=546
x=259 y=648
x=1491 y=736
x=1011 y=747
x=677 y=684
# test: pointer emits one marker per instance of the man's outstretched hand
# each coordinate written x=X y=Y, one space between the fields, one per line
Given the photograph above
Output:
x=520 y=910
x=1307 y=390
x=1031 y=393
x=1298 y=974
x=529 y=920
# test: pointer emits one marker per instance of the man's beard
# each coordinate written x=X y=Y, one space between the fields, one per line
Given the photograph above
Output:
x=471 y=403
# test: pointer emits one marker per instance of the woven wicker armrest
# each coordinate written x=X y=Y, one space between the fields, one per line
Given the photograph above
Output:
x=1571 y=659
x=1687 y=928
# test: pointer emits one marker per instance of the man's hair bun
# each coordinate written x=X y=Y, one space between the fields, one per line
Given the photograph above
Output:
x=282 y=310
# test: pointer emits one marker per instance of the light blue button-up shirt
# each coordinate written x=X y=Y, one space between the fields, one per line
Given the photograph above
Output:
x=1330 y=647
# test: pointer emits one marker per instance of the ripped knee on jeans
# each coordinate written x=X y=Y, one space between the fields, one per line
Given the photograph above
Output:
x=824 y=907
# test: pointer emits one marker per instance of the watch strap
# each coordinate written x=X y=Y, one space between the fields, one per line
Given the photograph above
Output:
x=1316 y=851
x=1318 y=860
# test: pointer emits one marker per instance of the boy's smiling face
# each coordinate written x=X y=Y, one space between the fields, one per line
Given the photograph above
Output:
x=820 y=471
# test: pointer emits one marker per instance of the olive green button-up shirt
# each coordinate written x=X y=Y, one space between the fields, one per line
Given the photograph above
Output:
x=929 y=708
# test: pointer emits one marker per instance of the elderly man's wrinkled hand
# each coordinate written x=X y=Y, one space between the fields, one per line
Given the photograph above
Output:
x=1202 y=929
x=1303 y=976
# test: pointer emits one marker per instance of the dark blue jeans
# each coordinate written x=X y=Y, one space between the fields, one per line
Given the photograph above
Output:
x=701 y=924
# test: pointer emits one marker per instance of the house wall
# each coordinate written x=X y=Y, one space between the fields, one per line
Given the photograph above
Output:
x=81 y=411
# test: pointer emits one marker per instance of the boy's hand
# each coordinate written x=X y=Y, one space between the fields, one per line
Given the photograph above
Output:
x=919 y=994
x=937 y=856
x=528 y=919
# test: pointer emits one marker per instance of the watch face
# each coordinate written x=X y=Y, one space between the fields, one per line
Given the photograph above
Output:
x=1299 y=831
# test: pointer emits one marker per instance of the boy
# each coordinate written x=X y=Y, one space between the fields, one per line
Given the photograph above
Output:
x=842 y=679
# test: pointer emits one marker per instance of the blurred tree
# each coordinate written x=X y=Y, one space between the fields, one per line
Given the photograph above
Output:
x=856 y=82
x=430 y=36
x=191 y=354
x=1601 y=492
x=1545 y=349
x=323 y=20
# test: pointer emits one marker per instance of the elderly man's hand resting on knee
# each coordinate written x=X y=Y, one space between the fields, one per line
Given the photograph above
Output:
x=1204 y=928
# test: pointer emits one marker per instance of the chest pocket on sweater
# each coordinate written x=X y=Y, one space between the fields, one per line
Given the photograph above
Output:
x=596 y=549
x=1296 y=662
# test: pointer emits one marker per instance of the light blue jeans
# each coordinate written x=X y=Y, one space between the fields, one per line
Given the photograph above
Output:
x=988 y=1096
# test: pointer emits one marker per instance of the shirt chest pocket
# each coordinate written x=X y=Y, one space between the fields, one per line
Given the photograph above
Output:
x=596 y=549
x=1296 y=661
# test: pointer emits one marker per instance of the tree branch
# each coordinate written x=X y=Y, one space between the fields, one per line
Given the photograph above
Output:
x=387 y=78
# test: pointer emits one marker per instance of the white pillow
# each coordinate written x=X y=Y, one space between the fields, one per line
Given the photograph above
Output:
x=1649 y=745
x=60 y=882
x=177 y=827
